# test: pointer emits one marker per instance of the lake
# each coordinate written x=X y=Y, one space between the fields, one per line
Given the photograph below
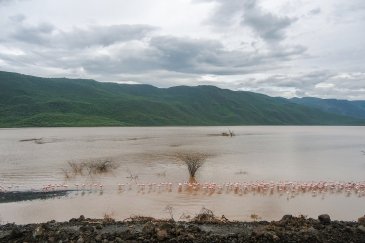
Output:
x=31 y=158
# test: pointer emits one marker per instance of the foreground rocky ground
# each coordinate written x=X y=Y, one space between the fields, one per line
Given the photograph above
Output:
x=204 y=228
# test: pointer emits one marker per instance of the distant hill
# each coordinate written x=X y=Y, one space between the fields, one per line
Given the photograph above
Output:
x=340 y=107
x=33 y=101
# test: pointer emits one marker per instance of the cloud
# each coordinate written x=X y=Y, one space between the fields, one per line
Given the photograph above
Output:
x=186 y=55
x=39 y=34
x=315 y=11
x=8 y=2
x=17 y=18
x=49 y=35
x=325 y=84
x=281 y=48
x=105 y=35
x=5 y=1
x=266 y=25
x=161 y=60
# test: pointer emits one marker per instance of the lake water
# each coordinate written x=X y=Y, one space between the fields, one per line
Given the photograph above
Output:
x=256 y=153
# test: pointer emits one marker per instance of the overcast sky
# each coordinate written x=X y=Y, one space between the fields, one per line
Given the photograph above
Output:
x=277 y=47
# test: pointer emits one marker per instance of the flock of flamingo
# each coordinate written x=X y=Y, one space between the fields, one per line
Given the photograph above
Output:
x=289 y=188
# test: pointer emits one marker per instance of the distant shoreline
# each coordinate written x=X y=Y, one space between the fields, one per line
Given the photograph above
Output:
x=194 y=126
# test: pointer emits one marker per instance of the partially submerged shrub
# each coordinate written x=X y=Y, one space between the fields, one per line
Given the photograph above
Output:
x=161 y=174
x=76 y=167
x=66 y=174
x=241 y=172
x=169 y=209
x=228 y=134
x=193 y=160
x=207 y=216
x=101 y=166
x=93 y=167
x=108 y=217
x=132 y=176
x=254 y=217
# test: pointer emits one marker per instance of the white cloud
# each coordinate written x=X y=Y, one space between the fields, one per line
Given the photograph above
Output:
x=279 y=48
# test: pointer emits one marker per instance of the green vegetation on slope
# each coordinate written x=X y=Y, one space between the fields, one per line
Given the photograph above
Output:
x=340 y=107
x=33 y=101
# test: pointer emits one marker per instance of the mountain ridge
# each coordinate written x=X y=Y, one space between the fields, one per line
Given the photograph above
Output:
x=355 y=108
x=27 y=101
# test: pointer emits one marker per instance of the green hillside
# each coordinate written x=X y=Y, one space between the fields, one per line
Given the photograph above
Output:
x=341 y=107
x=33 y=101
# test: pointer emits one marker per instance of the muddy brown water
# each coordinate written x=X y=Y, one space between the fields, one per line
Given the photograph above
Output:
x=33 y=157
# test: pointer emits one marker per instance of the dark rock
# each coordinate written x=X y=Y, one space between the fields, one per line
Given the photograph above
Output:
x=148 y=228
x=361 y=228
x=117 y=239
x=179 y=229
x=349 y=229
x=16 y=233
x=312 y=231
x=82 y=218
x=324 y=219
x=361 y=220
x=287 y=217
x=87 y=228
x=275 y=237
x=38 y=232
x=4 y=234
x=289 y=229
x=98 y=238
x=191 y=236
x=161 y=234
x=194 y=228
x=166 y=226
x=80 y=240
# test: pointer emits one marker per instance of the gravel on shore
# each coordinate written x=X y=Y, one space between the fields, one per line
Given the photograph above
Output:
x=144 y=229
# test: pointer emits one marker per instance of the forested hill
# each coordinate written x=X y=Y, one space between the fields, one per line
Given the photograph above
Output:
x=34 y=101
x=341 y=107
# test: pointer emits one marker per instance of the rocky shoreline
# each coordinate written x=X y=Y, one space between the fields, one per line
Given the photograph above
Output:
x=203 y=229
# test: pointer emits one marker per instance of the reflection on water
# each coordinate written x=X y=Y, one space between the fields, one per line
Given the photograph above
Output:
x=35 y=158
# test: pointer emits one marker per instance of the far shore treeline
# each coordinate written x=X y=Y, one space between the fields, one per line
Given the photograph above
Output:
x=28 y=101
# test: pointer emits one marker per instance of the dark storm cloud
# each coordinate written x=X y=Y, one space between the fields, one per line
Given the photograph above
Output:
x=268 y=26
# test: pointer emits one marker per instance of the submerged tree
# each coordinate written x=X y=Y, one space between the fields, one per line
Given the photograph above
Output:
x=193 y=160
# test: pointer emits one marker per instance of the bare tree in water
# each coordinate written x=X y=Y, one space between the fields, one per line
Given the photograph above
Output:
x=193 y=160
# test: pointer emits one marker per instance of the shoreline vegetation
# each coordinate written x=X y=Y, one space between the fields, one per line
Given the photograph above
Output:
x=204 y=227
